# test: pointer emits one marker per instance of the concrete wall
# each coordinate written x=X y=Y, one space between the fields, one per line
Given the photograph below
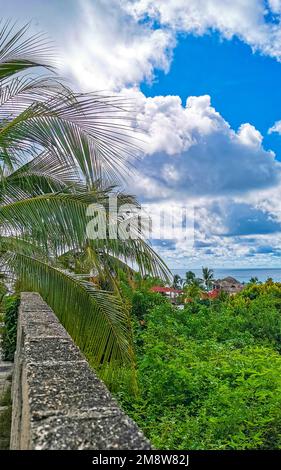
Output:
x=58 y=401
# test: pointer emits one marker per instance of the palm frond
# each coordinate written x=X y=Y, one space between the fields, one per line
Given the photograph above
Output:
x=26 y=247
x=20 y=92
x=19 y=52
x=94 y=131
x=60 y=152
x=44 y=174
x=95 y=319
x=67 y=215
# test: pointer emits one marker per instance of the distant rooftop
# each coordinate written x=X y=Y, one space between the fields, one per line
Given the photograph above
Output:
x=165 y=290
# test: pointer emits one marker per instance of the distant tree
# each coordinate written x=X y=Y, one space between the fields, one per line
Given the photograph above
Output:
x=177 y=282
x=208 y=276
x=146 y=282
x=193 y=290
x=189 y=278
x=254 y=280
x=197 y=282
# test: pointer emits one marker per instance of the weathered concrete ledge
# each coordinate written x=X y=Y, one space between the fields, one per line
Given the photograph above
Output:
x=58 y=401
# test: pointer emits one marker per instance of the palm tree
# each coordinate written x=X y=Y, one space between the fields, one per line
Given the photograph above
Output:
x=189 y=278
x=208 y=277
x=177 y=281
x=254 y=280
x=197 y=282
x=193 y=290
x=60 y=152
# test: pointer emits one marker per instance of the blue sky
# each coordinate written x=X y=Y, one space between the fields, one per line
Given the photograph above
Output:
x=244 y=86
x=205 y=78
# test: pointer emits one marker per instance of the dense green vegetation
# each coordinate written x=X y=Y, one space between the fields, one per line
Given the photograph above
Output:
x=209 y=375
x=9 y=333
x=5 y=420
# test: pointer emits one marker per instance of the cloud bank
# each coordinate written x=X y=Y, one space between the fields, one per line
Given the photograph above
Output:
x=119 y=43
x=191 y=152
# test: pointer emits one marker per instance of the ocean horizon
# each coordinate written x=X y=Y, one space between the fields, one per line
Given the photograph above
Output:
x=242 y=274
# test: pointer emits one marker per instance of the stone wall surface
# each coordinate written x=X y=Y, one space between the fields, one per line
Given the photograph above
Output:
x=58 y=402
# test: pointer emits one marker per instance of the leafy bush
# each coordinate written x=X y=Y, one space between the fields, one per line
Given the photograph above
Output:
x=210 y=375
x=144 y=301
x=9 y=337
x=5 y=419
x=5 y=428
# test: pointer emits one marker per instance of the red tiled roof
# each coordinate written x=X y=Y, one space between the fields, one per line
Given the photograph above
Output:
x=213 y=293
x=165 y=289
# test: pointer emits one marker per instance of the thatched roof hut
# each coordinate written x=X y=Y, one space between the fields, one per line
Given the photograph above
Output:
x=229 y=284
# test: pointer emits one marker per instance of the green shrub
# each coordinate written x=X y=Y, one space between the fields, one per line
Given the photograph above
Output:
x=209 y=396
x=5 y=419
x=144 y=301
x=5 y=428
x=9 y=337
x=210 y=375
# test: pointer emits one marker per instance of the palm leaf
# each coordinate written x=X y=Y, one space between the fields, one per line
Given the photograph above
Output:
x=94 y=132
x=67 y=215
x=59 y=153
x=19 y=52
x=44 y=174
x=95 y=319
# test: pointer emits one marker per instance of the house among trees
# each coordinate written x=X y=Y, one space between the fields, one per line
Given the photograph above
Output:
x=229 y=284
x=170 y=292
x=211 y=294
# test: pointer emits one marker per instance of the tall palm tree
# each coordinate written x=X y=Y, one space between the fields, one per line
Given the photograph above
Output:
x=177 y=281
x=189 y=278
x=254 y=280
x=193 y=290
x=60 y=152
x=208 y=277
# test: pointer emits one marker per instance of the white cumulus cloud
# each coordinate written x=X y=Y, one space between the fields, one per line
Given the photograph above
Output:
x=120 y=43
x=192 y=155
x=247 y=19
x=191 y=150
x=110 y=49
x=275 y=128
